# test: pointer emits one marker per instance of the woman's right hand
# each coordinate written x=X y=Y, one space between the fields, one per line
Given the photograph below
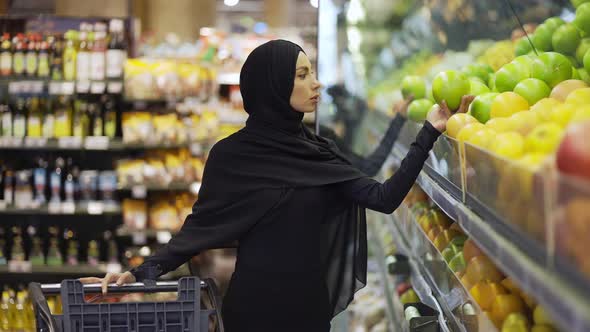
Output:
x=117 y=278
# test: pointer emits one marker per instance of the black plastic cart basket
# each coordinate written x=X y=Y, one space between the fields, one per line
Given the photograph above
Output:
x=190 y=312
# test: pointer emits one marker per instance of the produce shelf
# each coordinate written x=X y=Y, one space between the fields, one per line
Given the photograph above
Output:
x=563 y=294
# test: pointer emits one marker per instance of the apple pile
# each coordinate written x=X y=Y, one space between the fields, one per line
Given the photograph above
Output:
x=507 y=306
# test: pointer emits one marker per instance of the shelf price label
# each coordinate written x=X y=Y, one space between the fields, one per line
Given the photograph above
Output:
x=83 y=87
x=95 y=208
x=163 y=237
x=139 y=238
x=35 y=142
x=115 y=87
x=71 y=142
x=96 y=143
x=139 y=191
x=97 y=87
x=11 y=142
x=68 y=208
x=20 y=266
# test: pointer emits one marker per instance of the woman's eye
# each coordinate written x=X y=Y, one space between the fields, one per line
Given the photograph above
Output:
x=302 y=76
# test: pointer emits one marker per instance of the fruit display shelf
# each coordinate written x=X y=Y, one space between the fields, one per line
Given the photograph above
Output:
x=562 y=295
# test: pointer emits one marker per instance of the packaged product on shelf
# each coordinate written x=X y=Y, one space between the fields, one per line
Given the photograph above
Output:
x=43 y=61
x=93 y=253
x=69 y=56
x=40 y=181
x=85 y=37
x=5 y=120
x=18 y=57
x=135 y=213
x=116 y=54
x=130 y=172
x=107 y=184
x=167 y=128
x=31 y=56
x=98 y=50
x=137 y=127
x=23 y=194
x=5 y=55
x=88 y=185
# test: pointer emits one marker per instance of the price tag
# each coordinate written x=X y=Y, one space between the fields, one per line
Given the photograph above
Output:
x=18 y=266
x=97 y=87
x=55 y=88
x=113 y=268
x=139 y=191
x=139 y=238
x=83 y=87
x=68 y=208
x=35 y=142
x=2 y=205
x=95 y=208
x=115 y=87
x=163 y=237
x=67 y=88
x=71 y=142
x=96 y=143
x=37 y=87
x=54 y=208
x=14 y=87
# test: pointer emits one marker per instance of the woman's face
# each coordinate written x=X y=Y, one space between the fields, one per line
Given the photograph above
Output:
x=306 y=94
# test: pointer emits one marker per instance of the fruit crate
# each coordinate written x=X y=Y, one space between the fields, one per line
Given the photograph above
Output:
x=185 y=314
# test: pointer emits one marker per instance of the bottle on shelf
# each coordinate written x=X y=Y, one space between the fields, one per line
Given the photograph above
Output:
x=40 y=181
x=93 y=253
x=54 y=257
x=109 y=115
x=63 y=116
x=56 y=45
x=80 y=118
x=71 y=182
x=83 y=56
x=95 y=120
x=6 y=55
x=5 y=120
x=34 y=118
x=98 y=60
x=3 y=259
x=48 y=118
x=70 y=56
x=19 y=121
x=18 y=58
x=6 y=312
x=72 y=250
x=36 y=256
x=55 y=180
x=31 y=56
x=8 y=181
x=18 y=252
x=23 y=193
x=20 y=314
x=116 y=52
x=43 y=60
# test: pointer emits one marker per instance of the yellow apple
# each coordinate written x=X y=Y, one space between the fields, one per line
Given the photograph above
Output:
x=562 y=114
x=544 y=108
x=524 y=122
x=508 y=103
x=544 y=139
x=482 y=138
x=468 y=130
x=457 y=122
x=500 y=125
x=509 y=145
x=579 y=97
x=581 y=115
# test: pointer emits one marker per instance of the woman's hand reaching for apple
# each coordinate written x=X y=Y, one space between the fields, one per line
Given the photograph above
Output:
x=439 y=116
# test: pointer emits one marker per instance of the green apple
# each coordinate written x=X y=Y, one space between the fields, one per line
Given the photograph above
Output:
x=582 y=49
x=481 y=70
x=544 y=138
x=523 y=46
x=582 y=20
x=418 y=109
x=457 y=263
x=448 y=254
x=450 y=86
x=552 y=68
x=477 y=87
x=584 y=76
x=577 y=3
x=542 y=37
x=566 y=39
x=587 y=61
x=554 y=22
x=509 y=75
x=533 y=90
x=481 y=106
x=415 y=86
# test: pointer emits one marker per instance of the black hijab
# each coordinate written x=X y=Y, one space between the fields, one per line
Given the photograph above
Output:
x=275 y=150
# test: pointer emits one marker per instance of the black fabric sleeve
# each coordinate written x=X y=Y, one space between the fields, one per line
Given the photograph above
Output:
x=373 y=163
x=386 y=197
x=203 y=229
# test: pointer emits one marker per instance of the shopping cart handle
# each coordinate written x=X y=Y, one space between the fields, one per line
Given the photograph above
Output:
x=136 y=287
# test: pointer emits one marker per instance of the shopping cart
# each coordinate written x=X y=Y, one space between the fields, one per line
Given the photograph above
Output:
x=190 y=312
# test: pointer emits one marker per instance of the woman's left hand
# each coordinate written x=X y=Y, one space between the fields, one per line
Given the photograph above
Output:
x=439 y=116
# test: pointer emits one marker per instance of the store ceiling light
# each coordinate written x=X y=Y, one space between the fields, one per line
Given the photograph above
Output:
x=314 y=3
x=231 y=3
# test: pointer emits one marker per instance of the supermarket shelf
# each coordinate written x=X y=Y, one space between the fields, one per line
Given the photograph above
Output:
x=39 y=85
x=141 y=237
x=24 y=273
x=98 y=143
x=569 y=305
x=97 y=209
x=141 y=190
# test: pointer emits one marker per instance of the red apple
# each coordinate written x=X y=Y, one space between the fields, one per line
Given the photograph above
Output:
x=573 y=154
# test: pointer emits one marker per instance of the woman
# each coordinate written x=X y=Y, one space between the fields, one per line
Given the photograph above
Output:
x=290 y=199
